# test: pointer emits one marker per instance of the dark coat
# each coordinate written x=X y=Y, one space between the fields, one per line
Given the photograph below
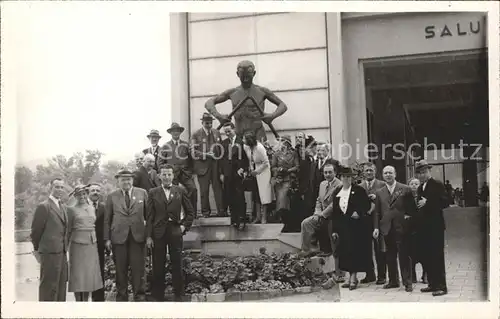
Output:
x=162 y=209
x=201 y=143
x=178 y=156
x=390 y=210
x=432 y=213
x=143 y=180
x=355 y=239
x=49 y=228
x=233 y=159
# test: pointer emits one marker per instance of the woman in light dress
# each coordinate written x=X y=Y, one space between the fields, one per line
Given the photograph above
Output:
x=260 y=168
x=84 y=269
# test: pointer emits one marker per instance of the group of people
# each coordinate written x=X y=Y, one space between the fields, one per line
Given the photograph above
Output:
x=388 y=220
x=250 y=179
x=155 y=205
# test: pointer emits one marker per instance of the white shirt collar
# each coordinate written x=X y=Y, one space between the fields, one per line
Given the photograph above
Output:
x=344 y=192
x=206 y=131
x=391 y=188
x=129 y=192
x=55 y=200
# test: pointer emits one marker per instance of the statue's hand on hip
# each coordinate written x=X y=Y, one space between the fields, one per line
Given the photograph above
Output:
x=267 y=118
x=224 y=118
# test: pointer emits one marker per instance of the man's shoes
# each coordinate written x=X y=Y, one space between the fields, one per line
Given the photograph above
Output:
x=409 y=288
x=380 y=281
x=367 y=280
x=328 y=284
x=346 y=285
x=322 y=254
x=439 y=292
x=427 y=289
x=390 y=286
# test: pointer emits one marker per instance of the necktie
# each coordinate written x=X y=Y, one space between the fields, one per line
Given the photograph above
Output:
x=328 y=187
x=95 y=206
x=127 y=199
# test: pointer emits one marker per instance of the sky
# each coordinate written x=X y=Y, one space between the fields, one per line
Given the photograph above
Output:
x=90 y=77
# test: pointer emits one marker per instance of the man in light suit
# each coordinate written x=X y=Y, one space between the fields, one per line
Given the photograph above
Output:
x=124 y=233
x=316 y=223
x=394 y=206
x=146 y=177
x=371 y=185
x=206 y=151
x=49 y=235
x=165 y=227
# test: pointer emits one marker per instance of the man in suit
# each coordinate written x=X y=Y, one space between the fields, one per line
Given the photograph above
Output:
x=165 y=227
x=394 y=206
x=49 y=235
x=176 y=153
x=231 y=168
x=146 y=177
x=206 y=151
x=433 y=199
x=316 y=223
x=95 y=196
x=124 y=232
x=154 y=137
x=371 y=185
x=322 y=156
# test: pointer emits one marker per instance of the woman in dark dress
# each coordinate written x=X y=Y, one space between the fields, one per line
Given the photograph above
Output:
x=351 y=227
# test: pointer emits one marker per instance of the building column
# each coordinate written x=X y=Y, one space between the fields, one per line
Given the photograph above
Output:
x=179 y=70
x=338 y=118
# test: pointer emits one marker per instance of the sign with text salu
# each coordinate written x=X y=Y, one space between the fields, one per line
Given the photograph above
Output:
x=458 y=29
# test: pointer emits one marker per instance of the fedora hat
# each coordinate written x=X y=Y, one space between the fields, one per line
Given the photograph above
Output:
x=124 y=173
x=175 y=127
x=154 y=133
x=207 y=117
x=346 y=171
x=420 y=165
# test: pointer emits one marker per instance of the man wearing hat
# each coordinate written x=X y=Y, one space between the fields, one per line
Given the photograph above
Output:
x=124 y=233
x=433 y=200
x=154 y=137
x=206 y=146
x=176 y=153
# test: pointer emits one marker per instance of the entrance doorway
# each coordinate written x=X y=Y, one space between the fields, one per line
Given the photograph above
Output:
x=434 y=108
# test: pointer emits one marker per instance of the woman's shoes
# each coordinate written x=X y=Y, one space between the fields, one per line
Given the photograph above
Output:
x=353 y=285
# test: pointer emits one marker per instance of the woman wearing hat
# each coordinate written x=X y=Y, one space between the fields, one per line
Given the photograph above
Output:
x=350 y=227
x=84 y=268
x=284 y=166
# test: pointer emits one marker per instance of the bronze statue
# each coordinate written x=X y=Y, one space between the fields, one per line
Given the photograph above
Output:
x=248 y=101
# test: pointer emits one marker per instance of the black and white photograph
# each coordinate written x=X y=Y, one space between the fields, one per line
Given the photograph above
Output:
x=176 y=154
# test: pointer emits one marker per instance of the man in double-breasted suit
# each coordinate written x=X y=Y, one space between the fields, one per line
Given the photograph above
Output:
x=231 y=167
x=206 y=151
x=394 y=206
x=165 y=227
x=176 y=153
x=433 y=199
x=95 y=196
x=146 y=177
x=371 y=185
x=318 y=222
x=124 y=233
x=49 y=235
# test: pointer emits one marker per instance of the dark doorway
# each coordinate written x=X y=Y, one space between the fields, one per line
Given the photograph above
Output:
x=425 y=108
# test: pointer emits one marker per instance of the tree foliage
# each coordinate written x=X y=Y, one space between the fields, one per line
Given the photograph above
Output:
x=32 y=187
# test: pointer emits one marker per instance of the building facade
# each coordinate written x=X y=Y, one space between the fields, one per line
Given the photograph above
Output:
x=366 y=80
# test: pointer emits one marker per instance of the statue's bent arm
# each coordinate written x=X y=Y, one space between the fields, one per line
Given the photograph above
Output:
x=281 y=106
x=212 y=102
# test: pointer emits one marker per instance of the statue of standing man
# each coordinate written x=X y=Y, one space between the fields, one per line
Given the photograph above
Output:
x=251 y=113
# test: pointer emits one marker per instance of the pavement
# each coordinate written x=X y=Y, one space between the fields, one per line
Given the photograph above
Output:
x=466 y=270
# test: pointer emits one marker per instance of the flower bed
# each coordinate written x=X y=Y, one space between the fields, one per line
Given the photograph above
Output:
x=277 y=274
